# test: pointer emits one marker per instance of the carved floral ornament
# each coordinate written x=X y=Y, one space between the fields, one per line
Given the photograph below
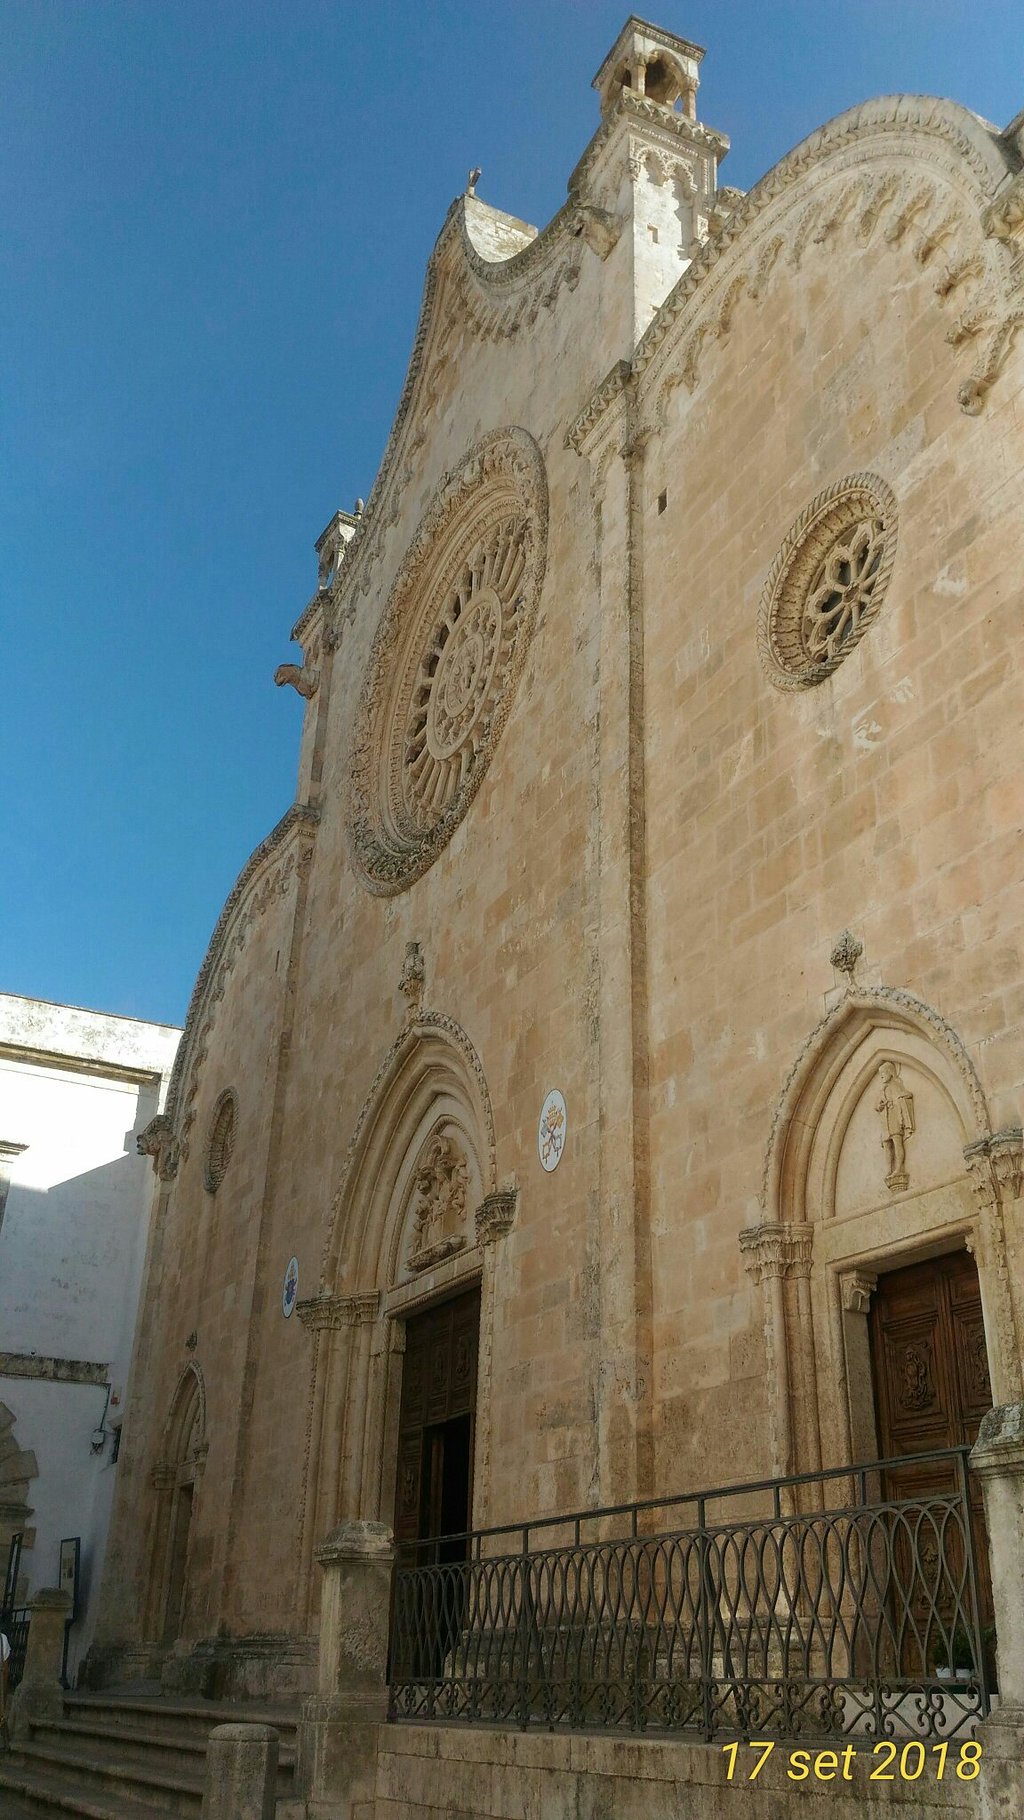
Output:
x=828 y=581
x=446 y=659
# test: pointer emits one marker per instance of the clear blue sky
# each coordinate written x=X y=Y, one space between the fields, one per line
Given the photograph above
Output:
x=215 y=219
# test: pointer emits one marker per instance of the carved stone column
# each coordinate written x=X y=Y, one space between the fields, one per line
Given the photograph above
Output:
x=995 y=1165
x=774 y=1251
x=40 y=1694
x=856 y=1287
x=335 y=1399
x=998 y=1460
x=337 y=1755
x=495 y=1218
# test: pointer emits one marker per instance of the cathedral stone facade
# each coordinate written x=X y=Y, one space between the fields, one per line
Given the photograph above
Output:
x=607 y=1079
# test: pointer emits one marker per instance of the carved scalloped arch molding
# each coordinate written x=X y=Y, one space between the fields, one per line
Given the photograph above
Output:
x=497 y=298
x=499 y=476
x=266 y=876
x=908 y=170
x=821 y=1060
x=186 y=1416
x=375 y=1124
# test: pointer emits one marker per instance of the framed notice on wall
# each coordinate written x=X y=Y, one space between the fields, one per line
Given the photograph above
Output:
x=70 y=1556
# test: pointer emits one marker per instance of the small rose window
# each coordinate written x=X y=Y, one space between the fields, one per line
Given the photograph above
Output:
x=221 y=1140
x=828 y=581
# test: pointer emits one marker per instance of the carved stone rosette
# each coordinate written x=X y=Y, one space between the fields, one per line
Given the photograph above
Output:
x=446 y=658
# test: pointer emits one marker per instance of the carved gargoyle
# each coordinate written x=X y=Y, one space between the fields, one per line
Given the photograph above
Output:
x=300 y=676
x=599 y=227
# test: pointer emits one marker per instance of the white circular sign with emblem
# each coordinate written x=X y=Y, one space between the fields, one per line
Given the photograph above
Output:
x=291 y=1287
x=551 y=1130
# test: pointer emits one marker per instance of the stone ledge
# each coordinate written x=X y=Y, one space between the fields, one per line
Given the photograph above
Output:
x=57 y=1371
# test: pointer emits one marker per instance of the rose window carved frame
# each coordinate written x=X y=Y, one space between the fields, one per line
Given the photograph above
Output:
x=447 y=658
x=828 y=581
x=221 y=1139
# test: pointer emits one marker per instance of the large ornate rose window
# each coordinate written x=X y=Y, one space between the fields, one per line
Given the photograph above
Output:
x=446 y=658
x=828 y=581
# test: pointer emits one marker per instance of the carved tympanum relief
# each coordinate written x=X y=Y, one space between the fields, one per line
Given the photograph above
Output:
x=828 y=581
x=440 y=1204
x=221 y=1140
x=895 y=1107
x=446 y=659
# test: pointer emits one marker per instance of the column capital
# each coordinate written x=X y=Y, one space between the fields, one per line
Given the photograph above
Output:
x=778 y=1249
x=496 y=1214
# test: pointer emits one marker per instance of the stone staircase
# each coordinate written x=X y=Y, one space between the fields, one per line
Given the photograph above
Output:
x=126 y=1757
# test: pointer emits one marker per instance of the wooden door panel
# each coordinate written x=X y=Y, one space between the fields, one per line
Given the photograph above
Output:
x=438 y=1386
x=931 y=1381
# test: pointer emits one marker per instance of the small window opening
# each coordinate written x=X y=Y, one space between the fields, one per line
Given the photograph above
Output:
x=662 y=501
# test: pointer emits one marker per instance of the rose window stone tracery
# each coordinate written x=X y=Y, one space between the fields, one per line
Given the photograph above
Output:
x=828 y=581
x=446 y=659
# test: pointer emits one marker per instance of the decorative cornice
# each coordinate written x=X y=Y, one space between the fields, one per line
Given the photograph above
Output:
x=613 y=388
x=325 y=1313
x=645 y=114
x=846 y=143
x=267 y=874
x=53 y=1370
x=777 y=1249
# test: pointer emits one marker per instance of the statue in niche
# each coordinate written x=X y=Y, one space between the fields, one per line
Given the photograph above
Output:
x=896 y=1107
x=441 y=1185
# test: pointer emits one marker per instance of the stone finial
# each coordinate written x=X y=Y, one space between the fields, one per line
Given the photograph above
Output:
x=846 y=952
x=473 y=179
x=413 y=980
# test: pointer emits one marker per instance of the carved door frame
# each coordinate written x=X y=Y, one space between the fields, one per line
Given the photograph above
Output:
x=816 y=1271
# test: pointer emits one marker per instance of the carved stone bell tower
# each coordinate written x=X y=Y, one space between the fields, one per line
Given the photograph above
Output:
x=649 y=176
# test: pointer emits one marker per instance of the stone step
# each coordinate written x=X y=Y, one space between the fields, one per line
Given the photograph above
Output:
x=178 y=1718
x=26 y=1791
x=91 y=1776
x=161 y=1747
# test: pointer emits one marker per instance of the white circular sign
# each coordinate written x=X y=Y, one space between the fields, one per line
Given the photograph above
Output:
x=291 y=1287
x=551 y=1130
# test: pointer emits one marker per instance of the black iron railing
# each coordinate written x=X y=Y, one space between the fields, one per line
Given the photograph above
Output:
x=820 y=1604
x=14 y=1624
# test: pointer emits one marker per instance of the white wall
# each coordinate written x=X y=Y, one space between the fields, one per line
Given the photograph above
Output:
x=75 y=1089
